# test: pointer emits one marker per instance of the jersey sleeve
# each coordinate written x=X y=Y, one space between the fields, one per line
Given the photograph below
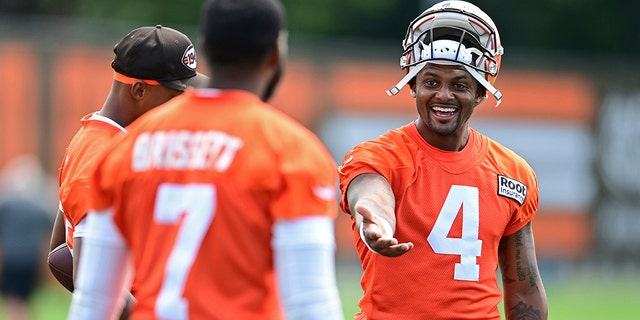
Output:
x=367 y=157
x=309 y=181
x=526 y=212
x=76 y=205
x=105 y=175
x=76 y=192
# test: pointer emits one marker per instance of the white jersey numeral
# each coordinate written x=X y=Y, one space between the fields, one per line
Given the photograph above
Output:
x=196 y=203
x=468 y=246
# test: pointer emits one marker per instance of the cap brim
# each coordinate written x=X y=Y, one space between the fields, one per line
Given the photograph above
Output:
x=197 y=81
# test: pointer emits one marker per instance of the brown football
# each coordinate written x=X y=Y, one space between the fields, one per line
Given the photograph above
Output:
x=60 y=263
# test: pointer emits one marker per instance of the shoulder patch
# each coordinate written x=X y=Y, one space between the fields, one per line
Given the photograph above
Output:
x=512 y=188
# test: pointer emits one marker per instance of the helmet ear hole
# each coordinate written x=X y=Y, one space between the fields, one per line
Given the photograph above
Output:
x=413 y=93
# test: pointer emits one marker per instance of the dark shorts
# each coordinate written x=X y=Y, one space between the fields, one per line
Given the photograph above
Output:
x=19 y=281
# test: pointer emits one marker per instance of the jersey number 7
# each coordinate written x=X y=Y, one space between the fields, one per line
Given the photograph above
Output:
x=196 y=202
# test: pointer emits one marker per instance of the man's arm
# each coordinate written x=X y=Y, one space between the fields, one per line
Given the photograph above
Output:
x=58 y=231
x=524 y=294
x=372 y=206
x=81 y=231
x=59 y=258
x=304 y=257
x=104 y=273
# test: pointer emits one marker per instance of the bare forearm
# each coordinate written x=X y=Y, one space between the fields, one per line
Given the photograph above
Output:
x=526 y=307
x=524 y=292
x=58 y=232
x=372 y=191
x=372 y=204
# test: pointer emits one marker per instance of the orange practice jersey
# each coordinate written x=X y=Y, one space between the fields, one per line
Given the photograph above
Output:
x=454 y=207
x=196 y=186
x=80 y=159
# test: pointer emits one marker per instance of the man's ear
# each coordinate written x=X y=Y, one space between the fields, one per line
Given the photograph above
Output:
x=481 y=95
x=412 y=87
x=283 y=44
x=138 y=89
x=479 y=99
x=280 y=51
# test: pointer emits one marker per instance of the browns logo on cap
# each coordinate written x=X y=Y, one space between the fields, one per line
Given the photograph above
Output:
x=158 y=53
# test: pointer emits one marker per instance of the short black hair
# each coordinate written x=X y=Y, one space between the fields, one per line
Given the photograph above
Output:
x=240 y=32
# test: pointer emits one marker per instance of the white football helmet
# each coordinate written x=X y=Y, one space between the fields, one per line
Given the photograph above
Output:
x=453 y=32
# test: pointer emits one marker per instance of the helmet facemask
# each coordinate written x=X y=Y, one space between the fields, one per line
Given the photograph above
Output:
x=453 y=35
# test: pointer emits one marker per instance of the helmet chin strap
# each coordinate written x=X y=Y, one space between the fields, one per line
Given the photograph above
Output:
x=495 y=92
x=403 y=82
x=414 y=71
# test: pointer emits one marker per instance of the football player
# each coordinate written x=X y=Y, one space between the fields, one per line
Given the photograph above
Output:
x=224 y=205
x=437 y=206
x=151 y=65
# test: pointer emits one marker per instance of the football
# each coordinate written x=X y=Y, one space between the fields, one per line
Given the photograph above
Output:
x=60 y=263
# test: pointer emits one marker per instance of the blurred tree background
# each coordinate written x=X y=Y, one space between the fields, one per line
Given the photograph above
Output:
x=592 y=41
x=582 y=36
x=586 y=26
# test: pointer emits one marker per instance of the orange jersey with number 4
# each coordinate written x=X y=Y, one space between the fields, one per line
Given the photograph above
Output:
x=196 y=186
x=455 y=207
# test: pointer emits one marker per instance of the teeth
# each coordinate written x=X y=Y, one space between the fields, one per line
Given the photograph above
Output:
x=441 y=109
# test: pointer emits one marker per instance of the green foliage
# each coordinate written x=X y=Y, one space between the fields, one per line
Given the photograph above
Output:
x=148 y=12
x=592 y=26
x=363 y=18
x=589 y=28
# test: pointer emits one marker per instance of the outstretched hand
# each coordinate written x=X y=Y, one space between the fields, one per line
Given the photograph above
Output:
x=378 y=234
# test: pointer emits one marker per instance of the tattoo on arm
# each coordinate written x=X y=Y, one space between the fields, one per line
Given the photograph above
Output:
x=533 y=277
x=525 y=270
x=527 y=300
x=519 y=247
x=522 y=311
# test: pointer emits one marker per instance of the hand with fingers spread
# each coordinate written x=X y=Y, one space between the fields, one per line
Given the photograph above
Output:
x=377 y=233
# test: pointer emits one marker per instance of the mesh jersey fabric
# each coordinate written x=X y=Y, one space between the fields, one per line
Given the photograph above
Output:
x=243 y=165
x=80 y=158
x=420 y=284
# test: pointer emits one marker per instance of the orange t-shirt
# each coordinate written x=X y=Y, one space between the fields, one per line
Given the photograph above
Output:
x=196 y=186
x=455 y=207
x=76 y=169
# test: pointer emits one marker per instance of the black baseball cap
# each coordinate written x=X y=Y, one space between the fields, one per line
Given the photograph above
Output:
x=158 y=53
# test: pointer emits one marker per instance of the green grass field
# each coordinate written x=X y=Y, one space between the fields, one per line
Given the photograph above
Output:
x=580 y=297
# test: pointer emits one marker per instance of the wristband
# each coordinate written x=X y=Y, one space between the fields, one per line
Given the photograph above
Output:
x=386 y=226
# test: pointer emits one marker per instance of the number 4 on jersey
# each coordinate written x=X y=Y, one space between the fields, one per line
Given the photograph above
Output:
x=468 y=246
